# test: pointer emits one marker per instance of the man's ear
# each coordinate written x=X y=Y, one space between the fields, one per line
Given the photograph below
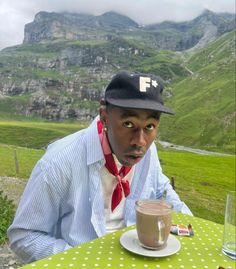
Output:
x=103 y=114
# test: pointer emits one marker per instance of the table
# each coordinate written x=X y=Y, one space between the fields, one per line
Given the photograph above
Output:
x=203 y=250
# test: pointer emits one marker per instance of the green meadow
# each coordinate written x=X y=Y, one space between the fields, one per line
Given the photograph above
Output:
x=202 y=181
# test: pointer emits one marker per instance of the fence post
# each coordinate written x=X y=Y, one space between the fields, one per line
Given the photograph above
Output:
x=16 y=163
x=173 y=182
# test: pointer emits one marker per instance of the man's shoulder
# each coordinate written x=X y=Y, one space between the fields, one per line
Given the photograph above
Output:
x=65 y=142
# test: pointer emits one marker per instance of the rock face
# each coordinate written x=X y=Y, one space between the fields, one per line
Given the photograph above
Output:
x=48 y=26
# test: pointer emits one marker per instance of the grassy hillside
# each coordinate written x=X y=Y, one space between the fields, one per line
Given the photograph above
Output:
x=201 y=181
x=200 y=84
x=35 y=134
x=204 y=102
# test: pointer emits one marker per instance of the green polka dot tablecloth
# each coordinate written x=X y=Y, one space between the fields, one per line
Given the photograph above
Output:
x=201 y=251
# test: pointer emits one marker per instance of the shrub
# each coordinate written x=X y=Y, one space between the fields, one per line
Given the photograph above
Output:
x=7 y=211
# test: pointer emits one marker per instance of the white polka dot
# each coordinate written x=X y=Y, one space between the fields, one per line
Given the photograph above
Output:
x=121 y=265
x=109 y=258
x=96 y=264
x=133 y=265
x=58 y=265
x=145 y=265
x=121 y=258
x=65 y=252
x=71 y=264
x=33 y=264
x=50 y=258
x=83 y=264
x=85 y=258
x=45 y=265
x=108 y=265
x=62 y=258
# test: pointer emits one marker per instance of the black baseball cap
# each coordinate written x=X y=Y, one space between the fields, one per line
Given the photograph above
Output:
x=136 y=90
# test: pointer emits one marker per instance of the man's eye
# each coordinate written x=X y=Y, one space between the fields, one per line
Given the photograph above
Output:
x=128 y=124
x=150 y=127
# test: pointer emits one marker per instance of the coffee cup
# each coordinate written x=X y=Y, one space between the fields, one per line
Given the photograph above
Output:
x=153 y=223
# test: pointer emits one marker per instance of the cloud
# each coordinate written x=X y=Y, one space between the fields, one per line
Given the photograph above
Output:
x=15 y=14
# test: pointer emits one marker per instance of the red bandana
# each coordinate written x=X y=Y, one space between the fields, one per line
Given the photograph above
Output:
x=112 y=168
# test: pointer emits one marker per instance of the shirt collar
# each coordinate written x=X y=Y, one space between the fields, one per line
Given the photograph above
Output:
x=94 y=149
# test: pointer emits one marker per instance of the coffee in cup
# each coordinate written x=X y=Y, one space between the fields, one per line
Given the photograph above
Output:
x=153 y=223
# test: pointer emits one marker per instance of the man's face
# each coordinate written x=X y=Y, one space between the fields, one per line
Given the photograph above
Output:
x=130 y=132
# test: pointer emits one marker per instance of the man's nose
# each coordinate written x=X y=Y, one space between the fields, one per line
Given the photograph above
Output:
x=138 y=138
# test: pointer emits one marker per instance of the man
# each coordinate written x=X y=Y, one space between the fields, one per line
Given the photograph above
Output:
x=87 y=183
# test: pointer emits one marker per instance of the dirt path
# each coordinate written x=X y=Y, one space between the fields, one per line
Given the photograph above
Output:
x=13 y=188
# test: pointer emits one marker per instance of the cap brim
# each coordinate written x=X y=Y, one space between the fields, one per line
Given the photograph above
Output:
x=140 y=104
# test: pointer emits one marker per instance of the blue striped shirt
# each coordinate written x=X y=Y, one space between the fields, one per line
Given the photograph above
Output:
x=63 y=205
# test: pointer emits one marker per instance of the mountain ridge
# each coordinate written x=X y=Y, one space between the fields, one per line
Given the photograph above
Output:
x=176 y=36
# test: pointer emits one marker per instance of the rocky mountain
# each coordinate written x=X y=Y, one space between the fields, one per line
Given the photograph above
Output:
x=49 y=26
x=166 y=35
x=61 y=69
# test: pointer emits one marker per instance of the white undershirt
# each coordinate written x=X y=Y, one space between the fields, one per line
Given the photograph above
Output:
x=115 y=219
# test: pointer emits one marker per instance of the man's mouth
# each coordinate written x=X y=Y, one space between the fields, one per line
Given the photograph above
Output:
x=134 y=157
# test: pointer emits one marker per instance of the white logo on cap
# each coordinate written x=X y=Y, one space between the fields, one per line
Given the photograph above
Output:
x=146 y=82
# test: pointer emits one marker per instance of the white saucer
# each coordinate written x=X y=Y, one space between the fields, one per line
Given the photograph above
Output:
x=129 y=240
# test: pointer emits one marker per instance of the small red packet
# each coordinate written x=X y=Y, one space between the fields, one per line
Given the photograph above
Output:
x=182 y=230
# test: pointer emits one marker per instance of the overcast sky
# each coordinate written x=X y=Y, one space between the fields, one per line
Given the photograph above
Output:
x=14 y=14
